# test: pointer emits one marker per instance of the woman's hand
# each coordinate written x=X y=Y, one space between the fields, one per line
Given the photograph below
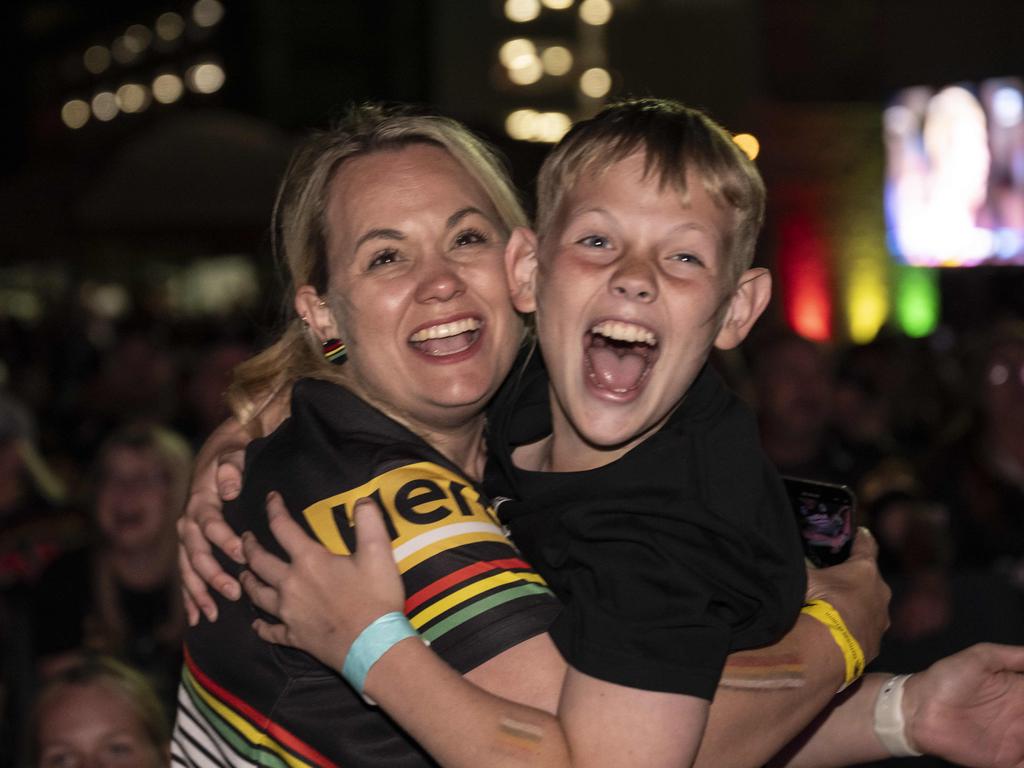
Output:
x=857 y=591
x=217 y=478
x=323 y=600
x=968 y=708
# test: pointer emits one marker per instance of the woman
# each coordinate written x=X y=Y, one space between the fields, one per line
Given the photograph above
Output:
x=359 y=302
x=121 y=596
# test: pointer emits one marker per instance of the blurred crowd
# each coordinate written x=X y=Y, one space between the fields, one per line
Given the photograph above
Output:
x=99 y=421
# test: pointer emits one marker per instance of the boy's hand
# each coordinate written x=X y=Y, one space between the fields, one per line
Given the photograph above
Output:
x=323 y=600
x=857 y=591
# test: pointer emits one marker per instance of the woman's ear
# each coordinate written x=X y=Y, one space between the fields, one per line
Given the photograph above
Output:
x=748 y=301
x=521 y=269
x=316 y=314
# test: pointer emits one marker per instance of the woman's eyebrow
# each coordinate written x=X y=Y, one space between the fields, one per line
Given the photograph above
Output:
x=462 y=213
x=386 y=234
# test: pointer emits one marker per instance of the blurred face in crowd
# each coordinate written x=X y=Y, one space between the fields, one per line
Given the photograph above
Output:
x=794 y=388
x=417 y=288
x=1004 y=390
x=132 y=500
x=94 y=726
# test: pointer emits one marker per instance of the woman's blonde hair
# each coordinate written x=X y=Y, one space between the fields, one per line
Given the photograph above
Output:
x=300 y=227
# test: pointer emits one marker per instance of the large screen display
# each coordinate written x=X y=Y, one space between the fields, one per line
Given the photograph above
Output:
x=954 y=179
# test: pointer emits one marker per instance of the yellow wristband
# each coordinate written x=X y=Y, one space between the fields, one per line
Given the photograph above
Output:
x=824 y=612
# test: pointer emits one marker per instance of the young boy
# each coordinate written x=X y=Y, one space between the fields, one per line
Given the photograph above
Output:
x=634 y=483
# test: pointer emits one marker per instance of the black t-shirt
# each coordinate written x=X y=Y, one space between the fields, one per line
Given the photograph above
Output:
x=244 y=701
x=669 y=558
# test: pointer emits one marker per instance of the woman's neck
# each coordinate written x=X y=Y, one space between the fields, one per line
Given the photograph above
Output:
x=463 y=445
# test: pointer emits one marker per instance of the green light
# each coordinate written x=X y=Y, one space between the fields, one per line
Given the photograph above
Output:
x=917 y=300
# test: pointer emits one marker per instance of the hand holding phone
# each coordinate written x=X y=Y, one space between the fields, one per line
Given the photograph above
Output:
x=825 y=517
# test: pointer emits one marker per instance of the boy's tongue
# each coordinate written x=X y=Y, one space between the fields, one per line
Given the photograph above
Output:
x=618 y=369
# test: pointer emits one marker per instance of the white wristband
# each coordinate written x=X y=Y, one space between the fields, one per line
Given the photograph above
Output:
x=890 y=727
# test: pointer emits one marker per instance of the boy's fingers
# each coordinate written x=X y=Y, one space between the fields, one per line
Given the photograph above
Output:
x=864 y=545
x=229 y=474
x=288 y=533
x=265 y=565
x=371 y=533
x=222 y=536
x=272 y=633
x=191 y=611
x=263 y=597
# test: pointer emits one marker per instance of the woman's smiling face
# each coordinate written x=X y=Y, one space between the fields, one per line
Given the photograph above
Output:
x=417 y=285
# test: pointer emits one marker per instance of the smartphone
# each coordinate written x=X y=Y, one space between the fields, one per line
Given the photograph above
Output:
x=825 y=517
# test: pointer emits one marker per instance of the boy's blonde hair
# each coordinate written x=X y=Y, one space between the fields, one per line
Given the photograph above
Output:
x=300 y=227
x=675 y=139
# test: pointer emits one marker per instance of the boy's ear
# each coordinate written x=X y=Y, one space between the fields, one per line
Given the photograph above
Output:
x=748 y=301
x=521 y=269
x=316 y=314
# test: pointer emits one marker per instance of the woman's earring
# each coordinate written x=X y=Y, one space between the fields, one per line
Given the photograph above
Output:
x=335 y=351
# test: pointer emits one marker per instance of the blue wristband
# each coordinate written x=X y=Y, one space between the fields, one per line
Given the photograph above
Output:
x=372 y=643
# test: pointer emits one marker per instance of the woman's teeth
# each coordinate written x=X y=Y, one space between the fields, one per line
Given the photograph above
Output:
x=445 y=330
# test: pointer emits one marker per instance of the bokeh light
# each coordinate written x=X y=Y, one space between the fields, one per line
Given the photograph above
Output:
x=512 y=51
x=521 y=11
x=748 y=143
x=595 y=82
x=137 y=38
x=557 y=5
x=133 y=97
x=104 y=106
x=557 y=60
x=205 y=78
x=528 y=70
x=96 y=59
x=531 y=125
x=75 y=114
x=207 y=13
x=596 y=12
x=169 y=26
x=167 y=88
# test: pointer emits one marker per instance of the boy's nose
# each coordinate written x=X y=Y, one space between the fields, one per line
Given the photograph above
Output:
x=634 y=281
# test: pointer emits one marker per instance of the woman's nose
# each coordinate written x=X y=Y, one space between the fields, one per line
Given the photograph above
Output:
x=440 y=282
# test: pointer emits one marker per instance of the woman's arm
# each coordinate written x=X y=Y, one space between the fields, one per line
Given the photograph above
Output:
x=597 y=724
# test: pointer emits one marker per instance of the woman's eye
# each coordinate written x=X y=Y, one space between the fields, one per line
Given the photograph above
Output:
x=595 y=241
x=470 y=237
x=383 y=257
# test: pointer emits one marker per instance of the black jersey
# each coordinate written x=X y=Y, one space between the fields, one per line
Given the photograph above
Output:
x=246 y=702
x=667 y=559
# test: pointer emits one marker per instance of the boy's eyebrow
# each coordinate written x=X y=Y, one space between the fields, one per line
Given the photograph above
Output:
x=462 y=213
x=386 y=234
x=604 y=211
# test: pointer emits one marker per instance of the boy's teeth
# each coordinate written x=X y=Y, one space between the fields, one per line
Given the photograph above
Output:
x=620 y=331
x=444 y=330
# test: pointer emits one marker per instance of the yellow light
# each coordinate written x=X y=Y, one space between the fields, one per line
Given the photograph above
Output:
x=557 y=5
x=137 y=38
x=75 y=114
x=521 y=11
x=132 y=97
x=866 y=290
x=596 y=12
x=104 y=106
x=205 y=78
x=557 y=60
x=169 y=26
x=206 y=13
x=167 y=88
x=122 y=53
x=512 y=50
x=96 y=59
x=530 y=125
x=748 y=143
x=527 y=72
x=595 y=82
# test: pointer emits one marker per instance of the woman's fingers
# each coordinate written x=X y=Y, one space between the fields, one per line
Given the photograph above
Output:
x=372 y=538
x=264 y=597
x=268 y=567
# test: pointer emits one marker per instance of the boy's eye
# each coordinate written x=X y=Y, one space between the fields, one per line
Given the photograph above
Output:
x=388 y=256
x=470 y=237
x=687 y=258
x=595 y=241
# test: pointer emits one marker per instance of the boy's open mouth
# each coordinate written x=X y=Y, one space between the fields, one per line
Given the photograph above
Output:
x=447 y=338
x=619 y=355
